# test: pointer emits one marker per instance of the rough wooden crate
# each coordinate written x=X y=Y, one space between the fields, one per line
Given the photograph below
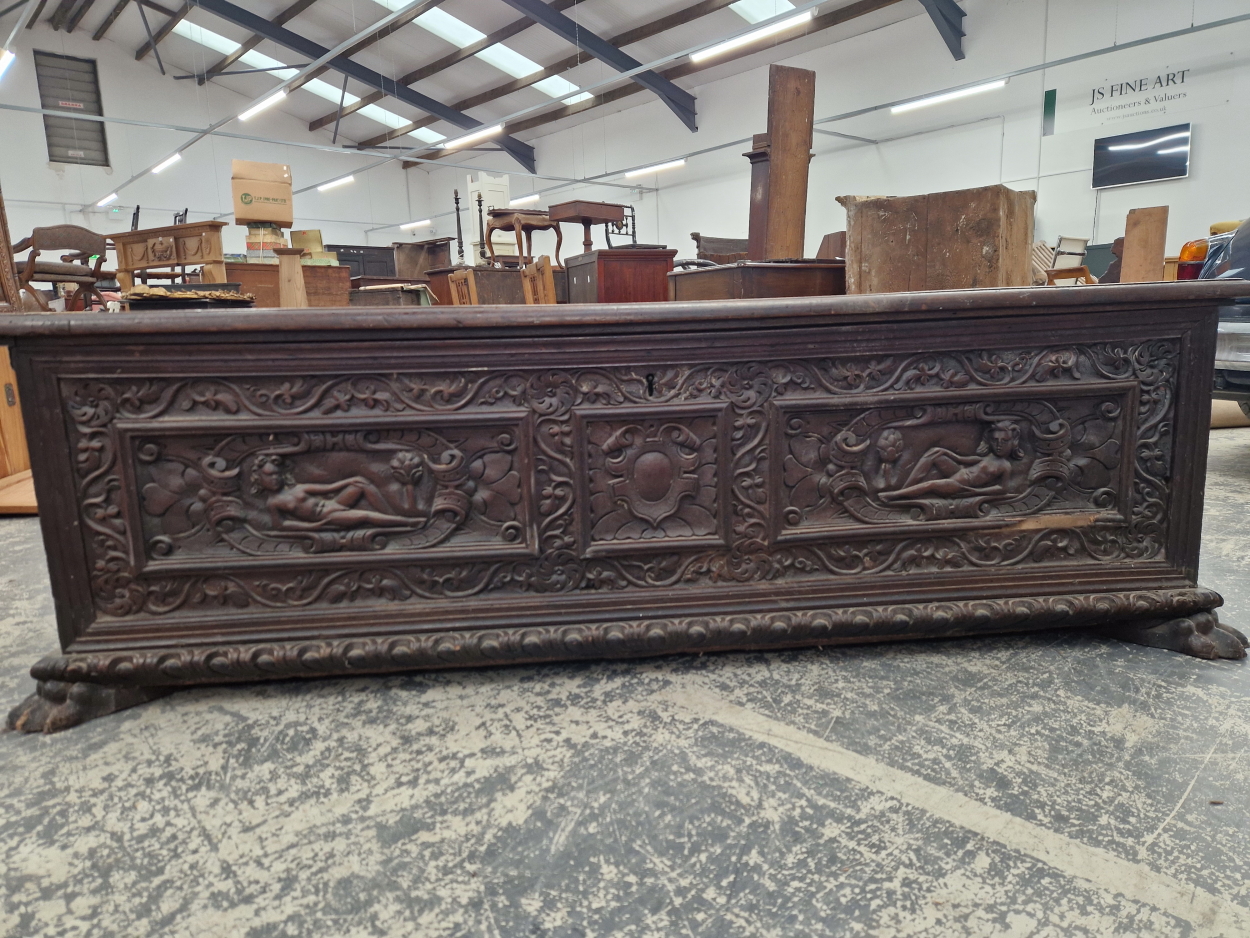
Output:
x=231 y=496
x=940 y=241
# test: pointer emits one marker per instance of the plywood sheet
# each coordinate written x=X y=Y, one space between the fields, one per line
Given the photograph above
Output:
x=17 y=495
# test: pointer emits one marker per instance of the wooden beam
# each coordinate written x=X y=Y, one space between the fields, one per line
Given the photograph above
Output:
x=30 y=23
x=60 y=13
x=824 y=21
x=82 y=10
x=791 y=110
x=109 y=20
x=117 y=11
x=634 y=35
x=164 y=31
x=637 y=34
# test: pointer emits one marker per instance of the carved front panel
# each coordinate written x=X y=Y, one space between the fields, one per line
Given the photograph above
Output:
x=214 y=498
x=285 y=493
x=962 y=459
x=652 y=479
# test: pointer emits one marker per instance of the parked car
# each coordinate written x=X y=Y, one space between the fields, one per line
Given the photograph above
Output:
x=1227 y=256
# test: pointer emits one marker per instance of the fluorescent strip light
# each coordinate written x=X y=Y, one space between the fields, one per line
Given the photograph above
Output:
x=335 y=183
x=1184 y=149
x=672 y=164
x=1150 y=143
x=168 y=163
x=472 y=137
x=751 y=37
x=524 y=200
x=415 y=224
x=6 y=59
x=949 y=96
x=257 y=108
x=106 y=200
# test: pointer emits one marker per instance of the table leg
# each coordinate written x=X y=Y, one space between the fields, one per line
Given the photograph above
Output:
x=213 y=273
x=587 y=241
x=125 y=280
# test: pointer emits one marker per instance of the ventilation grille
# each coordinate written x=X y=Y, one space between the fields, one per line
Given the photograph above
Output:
x=71 y=85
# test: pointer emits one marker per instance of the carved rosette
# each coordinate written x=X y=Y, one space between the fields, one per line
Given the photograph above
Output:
x=281 y=493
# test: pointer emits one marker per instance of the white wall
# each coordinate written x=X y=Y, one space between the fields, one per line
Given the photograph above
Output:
x=38 y=192
x=991 y=138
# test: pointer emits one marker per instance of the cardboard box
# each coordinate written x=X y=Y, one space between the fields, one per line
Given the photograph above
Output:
x=309 y=239
x=261 y=192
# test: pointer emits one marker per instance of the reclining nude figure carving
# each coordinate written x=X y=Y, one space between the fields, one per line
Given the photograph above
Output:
x=309 y=506
x=988 y=473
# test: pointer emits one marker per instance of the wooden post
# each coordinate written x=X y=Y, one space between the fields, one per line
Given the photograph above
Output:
x=791 y=108
x=1145 y=236
x=757 y=230
x=292 y=293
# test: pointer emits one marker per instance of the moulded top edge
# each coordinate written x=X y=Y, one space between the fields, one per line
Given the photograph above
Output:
x=755 y=313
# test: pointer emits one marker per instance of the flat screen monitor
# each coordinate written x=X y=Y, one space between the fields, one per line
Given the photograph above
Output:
x=1141 y=157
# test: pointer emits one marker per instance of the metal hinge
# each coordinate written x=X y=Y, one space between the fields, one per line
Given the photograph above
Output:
x=10 y=397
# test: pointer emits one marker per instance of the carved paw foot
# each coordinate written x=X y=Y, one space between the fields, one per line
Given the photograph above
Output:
x=56 y=705
x=1202 y=635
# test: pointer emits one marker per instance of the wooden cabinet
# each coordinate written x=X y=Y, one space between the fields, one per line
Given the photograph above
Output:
x=365 y=260
x=326 y=286
x=620 y=275
x=753 y=280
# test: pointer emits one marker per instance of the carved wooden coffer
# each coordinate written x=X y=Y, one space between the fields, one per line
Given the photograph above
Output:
x=230 y=496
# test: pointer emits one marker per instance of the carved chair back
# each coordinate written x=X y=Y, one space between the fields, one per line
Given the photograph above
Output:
x=74 y=267
x=719 y=250
x=463 y=287
x=539 y=283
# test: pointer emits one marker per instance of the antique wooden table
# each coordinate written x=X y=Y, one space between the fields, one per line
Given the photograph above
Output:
x=197 y=242
x=231 y=496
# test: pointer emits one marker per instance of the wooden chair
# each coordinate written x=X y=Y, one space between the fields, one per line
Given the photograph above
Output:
x=719 y=250
x=463 y=288
x=539 y=283
x=1079 y=275
x=72 y=268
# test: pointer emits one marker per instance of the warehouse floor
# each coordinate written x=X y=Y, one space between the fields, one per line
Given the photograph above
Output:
x=1055 y=784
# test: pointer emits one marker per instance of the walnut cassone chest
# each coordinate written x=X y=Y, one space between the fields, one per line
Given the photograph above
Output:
x=266 y=493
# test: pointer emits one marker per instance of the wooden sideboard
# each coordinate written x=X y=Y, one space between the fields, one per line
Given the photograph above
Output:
x=188 y=245
x=234 y=496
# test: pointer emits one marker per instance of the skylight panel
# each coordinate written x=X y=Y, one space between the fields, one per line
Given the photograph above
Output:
x=206 y=37
x=444 y=25
x=506 y=60
x=755 y=11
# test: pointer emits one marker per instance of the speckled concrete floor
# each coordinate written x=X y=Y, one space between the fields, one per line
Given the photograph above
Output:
x=1047 y=785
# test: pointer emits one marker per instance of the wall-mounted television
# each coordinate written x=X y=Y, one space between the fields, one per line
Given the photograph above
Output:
x=1144 y=156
